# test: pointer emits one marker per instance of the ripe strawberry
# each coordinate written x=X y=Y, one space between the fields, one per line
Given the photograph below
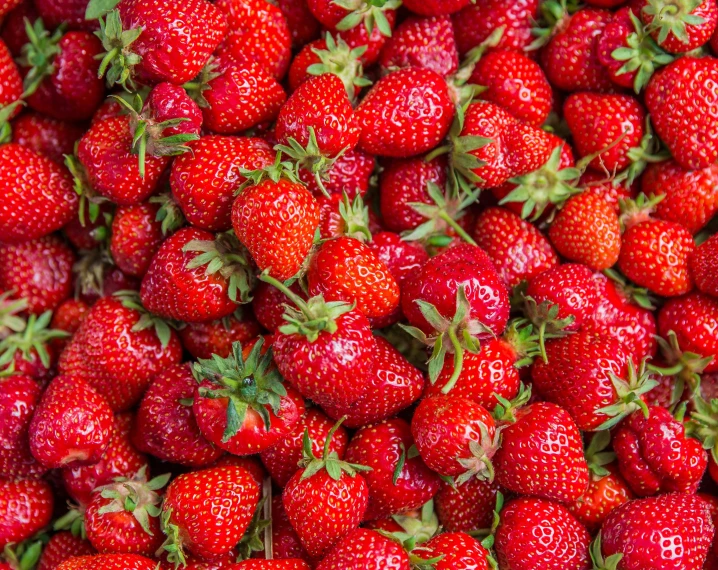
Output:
x=678 y=99
x=302 y=25
x=109 y=562
x=610 y=189
x=166 y=427
x=206 y=512
x=275 y=217
x=136 y=237
x=118 y=348
x=7 y=6
x=704 y=266
x=349 y=174
x=72 y=424
x=60 y=547
x=435 y=7
x=541 y=452
x=681 y=27
x=285 y=541
x=538 y=532
x=587 y=230
x=283 y=564
x=46 y=136
x=38 y=197
x=268 y=304
x=665 y=532
x=337 y=16
x=202 y=340
x=466 y=507
x=360 y=36
x=187 y=31
x=364 y=548
x=388 y=113
x=25 y=508
x=325 y=499
x=455 y=550
x=69 y=12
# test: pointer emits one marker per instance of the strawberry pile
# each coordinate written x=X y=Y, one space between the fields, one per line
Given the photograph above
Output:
x=358 y=284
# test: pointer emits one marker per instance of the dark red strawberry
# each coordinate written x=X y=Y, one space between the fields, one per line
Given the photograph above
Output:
x=136 y=237
x=202 y=340
x=302 y=25
x=704 y=266
x=268 y=304
x=25 y=508
x=466 y=507
x=60 y=547
x=48 y=137
x=435 y=7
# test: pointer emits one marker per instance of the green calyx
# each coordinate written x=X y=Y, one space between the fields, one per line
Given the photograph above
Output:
x=355 y=216
x=163 y=328
x=464 y=93
x=252 y=540
x=648 y=151
x=642 y=55
x=504 y=411
x=344 y=62
x=73 y=520
x=601 y=563
x=311 y=317
x=135 y=495
x=544 y=317
x=416 y=530
x=703 y=424
x=90 y=201
x=10 y=309
x=30 y=340
x=275 y=172
x=370 y=12
x=329 y=460
x=227 y=257
x=479 y=464
x=635 y=211
x=38 y=54
x=686 y=367
x=628 y=393
x=673 y=17
x=637 y=295
x=597 y=456
x=196 y=88
x=169 y=214
x=118 y=60
x=24 y=556
x=548 y=185
x=520 y=336
x=173 y=545
x=90 y=270
x=453 y=336
x=553 y=16
x=148 y=135
x=252 y=383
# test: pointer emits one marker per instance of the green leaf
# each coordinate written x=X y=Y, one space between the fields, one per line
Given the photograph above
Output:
x=97 y=8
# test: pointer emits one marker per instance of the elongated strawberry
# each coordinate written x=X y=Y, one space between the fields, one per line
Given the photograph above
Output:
x=26 y=508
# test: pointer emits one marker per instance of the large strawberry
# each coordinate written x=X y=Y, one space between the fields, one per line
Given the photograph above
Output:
x=25 y=508
x=109 y=562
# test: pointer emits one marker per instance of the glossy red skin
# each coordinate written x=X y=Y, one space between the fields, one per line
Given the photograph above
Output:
x=704 y=266
x=344 y=269
x=19 y=396
x=426 y=42
x=109 y=562
x=439 y=279
x=394 y=384
x=25 y=508
x=112 y=169
x=258 y=32
x=615 y=36
x=691 y=196
x=212 y=508
x=468 y=507
x=31 y=364
x=406 y=113
x=518 y=250
x=402 y=258
x=618 y=317
x=136 y=237
x=542 y=455
x=202 y=340
x=535 y=533
x=46 y=136
x=171 y=290
x=117 y=361
x=322 y=510
x=330 y=14
x=668 y=532
x=516 y=83
x=303 y=27
x=654 y=255
x=166 y=102
x=69 y=12
x=285 y=564
x=694 y=319
x=276 y=221
x=435 y=7
x=458 y=550
x=285 y=540
x=603 y=495
x=189 y=30
x=349 y=174
x=39 y=271
x=596 y=183
x=475 y=23
x=697 y=34
x=252 y=465
x=281 y=460
x=73 y=91
x=570 y=59
x=7 y=6
x=380 y=446
x=268 y=305
x=678 y=99
x=166 y=428
x=38 y=195
x=335 y=368
x=365 y=549
x=243 y=96
x=61 y=546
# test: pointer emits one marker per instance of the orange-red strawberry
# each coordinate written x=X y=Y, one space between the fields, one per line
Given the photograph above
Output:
x=704 y=266
x=202 y=340
x=25 y=508
x=109 y=562
x=363 y=548
x=60 y=547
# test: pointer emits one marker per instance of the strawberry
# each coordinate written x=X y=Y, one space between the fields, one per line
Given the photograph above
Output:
x=541 y=452
x=704 y=265
x=202 y=340
x=136 y=237
x=680 y=27
x=364 y=548
x=347 y=15
x=325 y=499
x=421 y=113
x=189 y=31
x=46 y=136
x=166 y=427
x=206 y=512
x=258 y=32
x=610 y=189
x=665 y=532
x=38 y=197
x=14 y=33
x=29 y=347
x=435 y=7
x=39 y=271
x=196 y=276
x=118 y=348
x=349 y=174
x=587 y=230
x=268 y=304
x=284 y=564
x=72 y=424
x=285 y=541
x=60 y=547
x=401 y=257
x=25 y=508
x=70 y=12
x=60 y=72
x=360 y=36
x=679 y=91
x=302 y=25
x=538 y=532
x=109 y=562
x=7 y=6
x=122 y=517
x=241 y=404
x=466 y=507
x=455 y=551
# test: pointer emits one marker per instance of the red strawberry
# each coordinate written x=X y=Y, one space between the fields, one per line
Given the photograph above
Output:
x=681 y=27
x=206 y=512
x=60 y=547
x=38 y=197
x=435 y=7
x=283 y=564
x=46 y=136
x=72 y=424
x=333 y=15
x=455 y=551
x=666 y=532
x=202 y=340
x=268 y=304
x=118 y=348
x=136 y=237
x=349 y=174
x=537 y=532
x=166 y=427
x=25 y=508
x=610 y=189
x=7 y=6
x=363 y=548
x=406 y=113
x=109 y=562
x=360 y=36
x=285 y=541
x=466 y=507
x=302 y=25
x=69 y=12
x=704 y=266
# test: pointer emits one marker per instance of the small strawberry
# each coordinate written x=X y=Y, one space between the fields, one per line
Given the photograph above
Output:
x=704 y=266
x=268 y=304
x=60 y=547
x=109 y=562
x=466 y=507
x=302 y=25
x=349 y=174
x=285 y=541
x=276 y=564
x=136 y=237
x=680 y=27
x=202 y=340
x=454 y=551
x=363 y=548
x=25 y=508
x=46 y=136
